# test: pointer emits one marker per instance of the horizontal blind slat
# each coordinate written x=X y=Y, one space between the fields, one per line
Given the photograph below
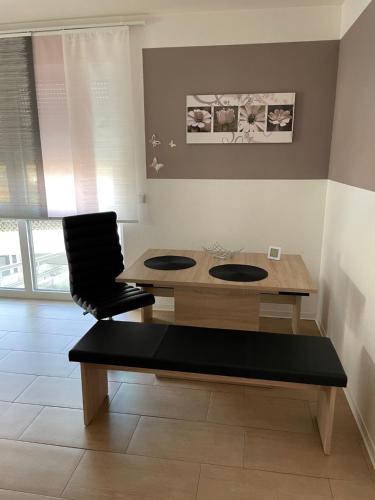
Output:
x=22 y=192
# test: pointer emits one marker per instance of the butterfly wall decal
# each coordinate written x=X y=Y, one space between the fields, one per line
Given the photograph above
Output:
x=156 y=165
x=155 y=143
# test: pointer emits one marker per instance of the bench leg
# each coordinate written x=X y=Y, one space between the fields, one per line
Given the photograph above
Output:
x=325 y=415
x=94 y=390
x=146 y=314
x=296 y=314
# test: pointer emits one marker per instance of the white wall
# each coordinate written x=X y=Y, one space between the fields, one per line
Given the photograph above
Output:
x=247 y=213
x=350 y=11
x=347 y=285
x=185 y=214
x=238 y=27
x=347 y=282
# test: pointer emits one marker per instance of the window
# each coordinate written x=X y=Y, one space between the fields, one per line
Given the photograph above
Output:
x=11 y=271
x=49 y=264
x=66 y=147
x=32 y=259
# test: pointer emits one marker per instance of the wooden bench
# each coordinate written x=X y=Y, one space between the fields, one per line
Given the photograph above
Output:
x=208 y=354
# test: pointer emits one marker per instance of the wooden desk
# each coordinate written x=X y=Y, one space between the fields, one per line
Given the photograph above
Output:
x=202 y=300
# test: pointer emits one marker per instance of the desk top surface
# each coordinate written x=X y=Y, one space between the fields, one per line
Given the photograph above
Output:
x=289 y=274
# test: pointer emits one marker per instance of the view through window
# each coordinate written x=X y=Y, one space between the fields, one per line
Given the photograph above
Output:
x=44 y=267
x=50 y=267
x=11 y=271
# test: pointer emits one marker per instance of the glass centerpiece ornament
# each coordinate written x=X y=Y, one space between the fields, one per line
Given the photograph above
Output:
x=219 y=252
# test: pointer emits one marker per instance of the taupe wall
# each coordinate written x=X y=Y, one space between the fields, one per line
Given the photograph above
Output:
x=307 y=68
x=353 y=140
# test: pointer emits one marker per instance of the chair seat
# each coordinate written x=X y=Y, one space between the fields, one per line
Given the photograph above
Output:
x=114 y=299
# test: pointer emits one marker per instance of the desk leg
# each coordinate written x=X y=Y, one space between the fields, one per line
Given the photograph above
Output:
x=296 y=315
x=146 y=314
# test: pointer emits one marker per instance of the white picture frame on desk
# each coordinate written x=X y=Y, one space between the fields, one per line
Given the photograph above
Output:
x=274 y=253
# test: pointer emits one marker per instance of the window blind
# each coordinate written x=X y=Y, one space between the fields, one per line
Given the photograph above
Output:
x=22 y=193
x=66 y=125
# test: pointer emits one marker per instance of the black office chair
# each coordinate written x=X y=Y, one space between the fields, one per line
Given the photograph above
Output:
x=94 y=257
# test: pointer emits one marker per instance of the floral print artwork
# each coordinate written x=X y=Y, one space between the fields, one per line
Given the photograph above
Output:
x=240 y=118
x=252 y=119
x=225 y=119
x=280 y=118
x=199 y=119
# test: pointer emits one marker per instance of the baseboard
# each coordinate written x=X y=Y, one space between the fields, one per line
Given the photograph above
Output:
x=321 y=328
x=370 y=446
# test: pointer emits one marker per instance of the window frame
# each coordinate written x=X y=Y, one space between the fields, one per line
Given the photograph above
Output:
x=28 y=292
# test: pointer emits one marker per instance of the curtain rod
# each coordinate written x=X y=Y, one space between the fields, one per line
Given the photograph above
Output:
x=51 y=29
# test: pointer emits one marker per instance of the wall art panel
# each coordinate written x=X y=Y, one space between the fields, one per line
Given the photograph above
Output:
x=240 y=118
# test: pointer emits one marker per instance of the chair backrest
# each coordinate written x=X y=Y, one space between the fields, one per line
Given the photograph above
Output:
x=93 y=251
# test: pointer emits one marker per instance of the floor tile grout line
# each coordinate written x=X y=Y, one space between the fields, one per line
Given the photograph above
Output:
x=32 y=421
x=38 y=375
x=244 y=428
x=208 y=406
x=243 y=449
x=46 y=405
x=13 y=333
x=33 y=332
x=13 y=349
x=240 y=428
x=6 y=355
x=39 y=317
x=25 y=388
x=42 y=495
x=173 y=459
x=190 y=462
x=117 y=452
x=199 y=479
x=263 y=469
x=330 y=489
x=132 y=434
x=110 y=399
x=72 y=474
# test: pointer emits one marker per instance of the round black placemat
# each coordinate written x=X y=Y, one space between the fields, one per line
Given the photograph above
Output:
x=169 y=262
x=238 y=272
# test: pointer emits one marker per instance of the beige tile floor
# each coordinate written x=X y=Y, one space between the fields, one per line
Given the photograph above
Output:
x=158 y=439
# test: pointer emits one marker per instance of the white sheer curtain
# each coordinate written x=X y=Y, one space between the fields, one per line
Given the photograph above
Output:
x=83 y=84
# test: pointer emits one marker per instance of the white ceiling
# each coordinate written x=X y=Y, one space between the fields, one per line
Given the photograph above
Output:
x=13 y=11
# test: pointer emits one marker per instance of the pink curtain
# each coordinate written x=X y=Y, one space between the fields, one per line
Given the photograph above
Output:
x=85 y=116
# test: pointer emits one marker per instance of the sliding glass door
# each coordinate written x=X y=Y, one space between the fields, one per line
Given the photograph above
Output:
x=32 y=259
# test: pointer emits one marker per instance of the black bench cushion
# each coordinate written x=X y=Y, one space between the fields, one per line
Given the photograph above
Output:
x=266 y=356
